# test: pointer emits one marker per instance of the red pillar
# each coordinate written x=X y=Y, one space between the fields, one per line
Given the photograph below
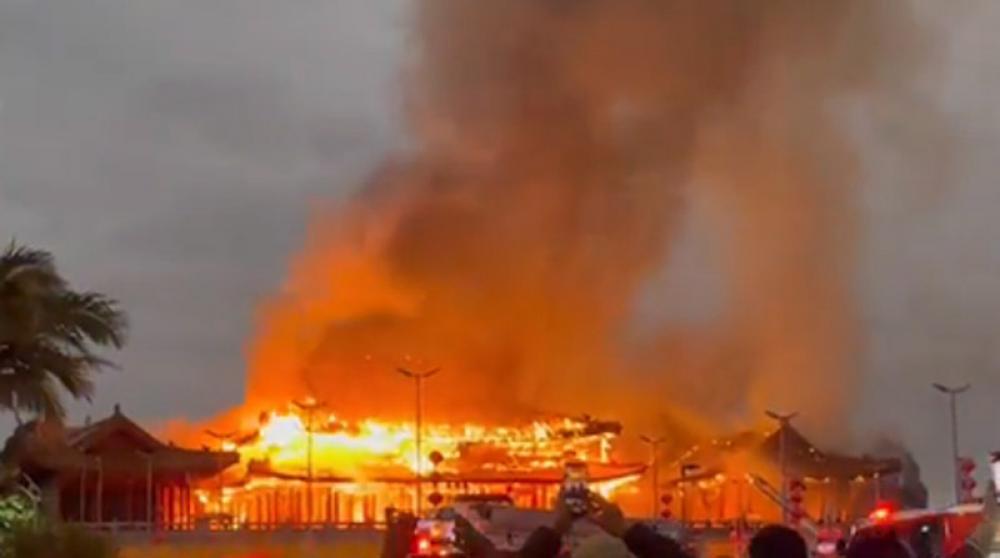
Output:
x=168 y=508
x=336 y=506
x=329 y=506
x=186 y=506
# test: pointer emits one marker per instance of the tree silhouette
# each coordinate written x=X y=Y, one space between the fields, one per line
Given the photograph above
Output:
x=49 y=334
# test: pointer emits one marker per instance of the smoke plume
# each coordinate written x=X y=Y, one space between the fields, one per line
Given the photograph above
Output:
x=554 y=146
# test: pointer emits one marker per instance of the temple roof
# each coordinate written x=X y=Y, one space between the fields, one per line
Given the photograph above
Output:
x=753 y=450
x=115 y=444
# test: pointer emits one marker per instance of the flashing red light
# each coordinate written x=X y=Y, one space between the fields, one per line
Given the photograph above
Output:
x=881 y=513
x=423 y=545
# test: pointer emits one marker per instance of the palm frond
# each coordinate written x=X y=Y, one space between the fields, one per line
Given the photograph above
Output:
x=31 y=391
x=86 y=318
x=48 y=334
x=16 y=255
x=21 y=263
x=71 y=372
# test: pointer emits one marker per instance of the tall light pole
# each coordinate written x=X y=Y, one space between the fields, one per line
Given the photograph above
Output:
x=654 y=450
x=309 y=407
x=418 y=379
x=784 y=423
x=953 y=393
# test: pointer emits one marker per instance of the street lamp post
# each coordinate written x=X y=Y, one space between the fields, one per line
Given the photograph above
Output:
x=654 y=450
x=953 y=393
x=784 y=422
x=418 y=380
x=309 y=406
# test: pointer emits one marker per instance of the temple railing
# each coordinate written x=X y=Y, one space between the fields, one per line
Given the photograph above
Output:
x=208 y=527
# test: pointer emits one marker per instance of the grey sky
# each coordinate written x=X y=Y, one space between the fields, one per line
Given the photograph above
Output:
x=169 y=152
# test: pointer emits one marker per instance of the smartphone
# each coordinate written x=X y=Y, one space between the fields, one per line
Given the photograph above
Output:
x=576 y=490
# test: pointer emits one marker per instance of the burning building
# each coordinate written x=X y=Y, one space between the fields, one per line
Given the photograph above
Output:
x=112 y=471
x=297 y=470
x=738 y=478
x=308 y=468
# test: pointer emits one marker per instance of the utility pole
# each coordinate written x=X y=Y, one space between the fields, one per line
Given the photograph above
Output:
x=309 y=407
x=784 y=423
x=418 y=379
x=654 y=450
x=953 y=393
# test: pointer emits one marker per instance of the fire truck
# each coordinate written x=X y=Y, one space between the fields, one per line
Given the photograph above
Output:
x=928 y=533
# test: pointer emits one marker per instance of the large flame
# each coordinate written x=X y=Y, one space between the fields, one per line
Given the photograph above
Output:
x=342 y=448
x=352 y=469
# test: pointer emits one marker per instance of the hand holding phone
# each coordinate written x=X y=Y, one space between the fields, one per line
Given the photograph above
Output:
x=608 y=516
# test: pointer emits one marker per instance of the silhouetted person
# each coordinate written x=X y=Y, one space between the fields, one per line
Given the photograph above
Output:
x=882 y=546
x=778 y=541
x=398 y=534
x=619 y=539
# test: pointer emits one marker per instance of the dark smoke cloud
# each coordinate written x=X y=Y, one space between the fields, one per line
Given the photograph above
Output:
x=555 y=147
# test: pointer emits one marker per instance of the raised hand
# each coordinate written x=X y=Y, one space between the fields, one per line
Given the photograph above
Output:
x=564 y=516
x=608 y=516
x=473 y=543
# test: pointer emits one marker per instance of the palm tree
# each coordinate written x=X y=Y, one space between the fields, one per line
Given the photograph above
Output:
x=49 y=333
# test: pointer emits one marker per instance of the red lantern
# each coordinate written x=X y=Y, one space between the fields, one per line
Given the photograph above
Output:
x=436 y=458
x=666 y=500
x=435 y=498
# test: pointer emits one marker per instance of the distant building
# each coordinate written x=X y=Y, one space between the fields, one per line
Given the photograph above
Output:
x=738 y=477
x=112 y=471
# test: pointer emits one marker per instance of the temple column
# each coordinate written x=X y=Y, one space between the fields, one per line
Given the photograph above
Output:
x=336 y=506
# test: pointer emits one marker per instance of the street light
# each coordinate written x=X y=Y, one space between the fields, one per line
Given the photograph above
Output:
x=784 y=423
x=654 y=447
x=418 y=379
x=953 y=393
x=309 y=406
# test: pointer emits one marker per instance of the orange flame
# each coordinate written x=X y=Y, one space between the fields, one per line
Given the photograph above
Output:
x=374 y=462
